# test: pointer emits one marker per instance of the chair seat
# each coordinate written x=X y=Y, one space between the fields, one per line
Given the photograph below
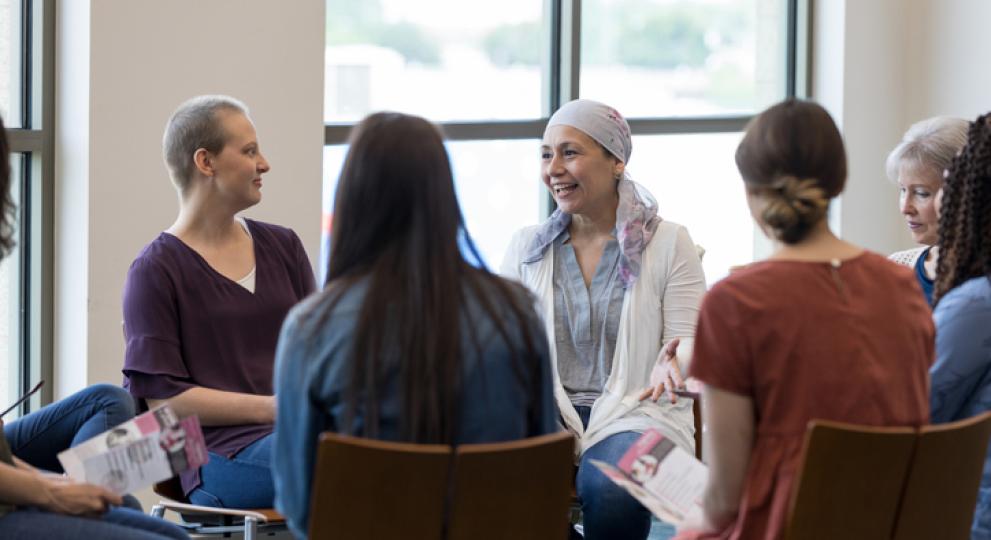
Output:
x=213 y=521
x=263 y=515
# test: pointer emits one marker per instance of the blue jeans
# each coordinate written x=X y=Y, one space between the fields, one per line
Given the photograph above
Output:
x=608 y=511
x=243 y=481
x=38 y=437
x=981 y=527
x=116 y=524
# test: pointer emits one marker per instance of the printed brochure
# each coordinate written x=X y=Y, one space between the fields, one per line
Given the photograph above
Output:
x=666 y=479
x=152 y=447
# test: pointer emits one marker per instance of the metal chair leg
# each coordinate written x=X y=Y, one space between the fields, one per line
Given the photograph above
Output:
x=250 y=528
x=158 y=511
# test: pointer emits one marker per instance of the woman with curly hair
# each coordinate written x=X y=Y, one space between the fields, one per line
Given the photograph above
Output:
x=961 y=380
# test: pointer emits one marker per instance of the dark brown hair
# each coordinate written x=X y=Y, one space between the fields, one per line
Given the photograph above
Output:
x=7 y=209
x=792 y=157
x=398 y=229
x=965 y=213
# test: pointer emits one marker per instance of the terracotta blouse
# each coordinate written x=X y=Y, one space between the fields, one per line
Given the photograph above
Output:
x=851 y=343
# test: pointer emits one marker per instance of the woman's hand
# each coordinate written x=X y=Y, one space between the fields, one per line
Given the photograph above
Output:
x=666 y=374
x=63 y=496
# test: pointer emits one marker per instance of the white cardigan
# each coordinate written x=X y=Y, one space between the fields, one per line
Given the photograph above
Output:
x=663 y=304
x=908 y=257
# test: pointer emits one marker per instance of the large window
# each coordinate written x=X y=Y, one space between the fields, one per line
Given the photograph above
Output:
x=687 y=74
x=26 y=104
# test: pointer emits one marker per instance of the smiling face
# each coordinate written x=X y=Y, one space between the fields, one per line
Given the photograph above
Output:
x=580 y=174
x=239 y=165
x=917 y=187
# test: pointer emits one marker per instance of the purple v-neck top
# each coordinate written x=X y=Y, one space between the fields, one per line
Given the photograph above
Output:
x=186 y=325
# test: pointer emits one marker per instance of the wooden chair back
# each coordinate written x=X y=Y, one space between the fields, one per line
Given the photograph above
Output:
x=941 y=489
x=518 y=489
x=378 y=490
x=697 y=416
x=849 y=481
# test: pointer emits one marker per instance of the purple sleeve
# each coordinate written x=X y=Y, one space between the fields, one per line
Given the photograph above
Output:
x=305 y=279
x=153 y=364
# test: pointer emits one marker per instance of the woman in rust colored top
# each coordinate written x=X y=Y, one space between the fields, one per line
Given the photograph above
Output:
x=821 y=330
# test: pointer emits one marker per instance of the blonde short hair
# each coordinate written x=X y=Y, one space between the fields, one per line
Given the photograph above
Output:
x=195 y=124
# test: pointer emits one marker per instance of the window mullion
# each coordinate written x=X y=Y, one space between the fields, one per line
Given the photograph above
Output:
x=551 y=65
x=571 y=25
x=41 y=308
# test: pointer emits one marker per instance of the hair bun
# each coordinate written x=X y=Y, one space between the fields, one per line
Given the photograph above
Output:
x=793 y=206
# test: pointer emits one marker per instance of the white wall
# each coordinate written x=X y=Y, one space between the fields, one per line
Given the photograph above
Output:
x=949 y=63
x=881 y=65
x=124 y=65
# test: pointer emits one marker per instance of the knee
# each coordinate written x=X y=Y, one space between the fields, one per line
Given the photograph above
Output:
x=116 y=401
x=608 y=511
x=597 y=491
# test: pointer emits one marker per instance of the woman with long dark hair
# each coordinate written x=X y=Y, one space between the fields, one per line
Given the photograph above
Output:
x=822 y=329
x=960 y=378
x=408 y=341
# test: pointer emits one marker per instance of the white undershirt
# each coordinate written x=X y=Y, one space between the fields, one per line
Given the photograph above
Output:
x=248 y=281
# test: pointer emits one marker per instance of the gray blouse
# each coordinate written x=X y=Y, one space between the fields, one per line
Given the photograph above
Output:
x=586 y=320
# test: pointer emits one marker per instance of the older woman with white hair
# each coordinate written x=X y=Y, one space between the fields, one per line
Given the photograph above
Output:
x=917 y=166
x=619 y=289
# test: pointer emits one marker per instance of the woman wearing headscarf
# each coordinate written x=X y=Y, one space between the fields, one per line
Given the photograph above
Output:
x=619 y=289
x=917 y=166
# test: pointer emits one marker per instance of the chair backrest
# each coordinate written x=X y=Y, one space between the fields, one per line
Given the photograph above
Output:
x=697 y=417
x=377 y=490
x=849 y=482
x=519 y=489
x=941 y=489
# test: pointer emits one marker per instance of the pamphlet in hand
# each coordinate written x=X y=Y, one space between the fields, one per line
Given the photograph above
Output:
x=666 y=479
x=136 y=454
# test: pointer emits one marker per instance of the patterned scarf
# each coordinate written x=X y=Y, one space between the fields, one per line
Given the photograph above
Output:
x=636 y=221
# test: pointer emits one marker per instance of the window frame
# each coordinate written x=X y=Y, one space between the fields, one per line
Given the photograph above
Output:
x=35 y=141
x=560 y=81
x=563 y=70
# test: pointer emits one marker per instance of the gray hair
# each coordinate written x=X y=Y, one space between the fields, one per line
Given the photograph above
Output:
x=929 y=145
x=195 y=124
